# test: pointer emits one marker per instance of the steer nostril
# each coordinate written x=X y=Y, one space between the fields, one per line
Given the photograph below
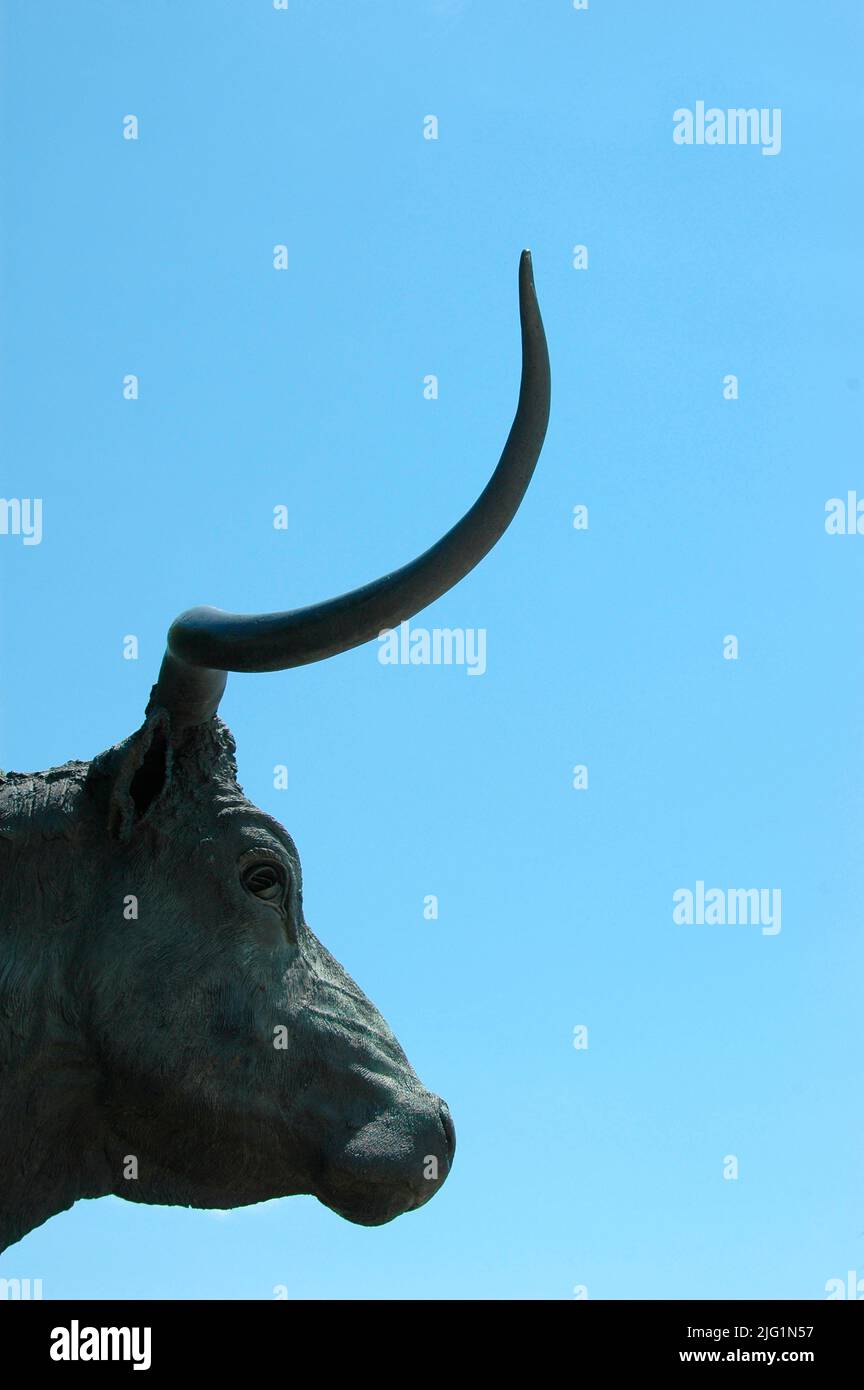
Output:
x=448 y=1127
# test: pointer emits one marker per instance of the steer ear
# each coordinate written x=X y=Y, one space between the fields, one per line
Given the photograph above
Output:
x=132 y=776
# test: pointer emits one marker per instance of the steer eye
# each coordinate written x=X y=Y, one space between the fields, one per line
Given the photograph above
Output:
x=265 y=880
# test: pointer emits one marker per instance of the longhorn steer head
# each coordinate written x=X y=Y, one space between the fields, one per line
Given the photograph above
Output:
x=212 y=1052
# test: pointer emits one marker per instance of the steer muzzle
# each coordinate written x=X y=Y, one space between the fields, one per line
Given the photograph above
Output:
x=391 y=1164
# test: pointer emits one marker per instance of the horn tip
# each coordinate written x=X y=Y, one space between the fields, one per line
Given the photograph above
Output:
x=526 y=271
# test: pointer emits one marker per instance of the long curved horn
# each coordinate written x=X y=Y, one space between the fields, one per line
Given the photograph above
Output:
x=205 y=643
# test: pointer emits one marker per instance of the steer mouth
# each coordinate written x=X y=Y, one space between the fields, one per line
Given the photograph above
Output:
x=368 y=1206
x=390 y=1166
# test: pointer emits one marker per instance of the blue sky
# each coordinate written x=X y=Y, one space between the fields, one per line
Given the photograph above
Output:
x=602 y=1167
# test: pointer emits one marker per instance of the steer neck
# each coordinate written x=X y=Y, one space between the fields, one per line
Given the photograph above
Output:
x=51 y=1150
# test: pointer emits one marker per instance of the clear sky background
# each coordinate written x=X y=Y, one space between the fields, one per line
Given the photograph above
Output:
x=600 y=1167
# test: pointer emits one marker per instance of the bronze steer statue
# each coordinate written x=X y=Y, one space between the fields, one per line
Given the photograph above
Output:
x=170 y=1029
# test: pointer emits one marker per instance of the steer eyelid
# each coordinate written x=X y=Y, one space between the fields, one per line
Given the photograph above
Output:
x=262 y=855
